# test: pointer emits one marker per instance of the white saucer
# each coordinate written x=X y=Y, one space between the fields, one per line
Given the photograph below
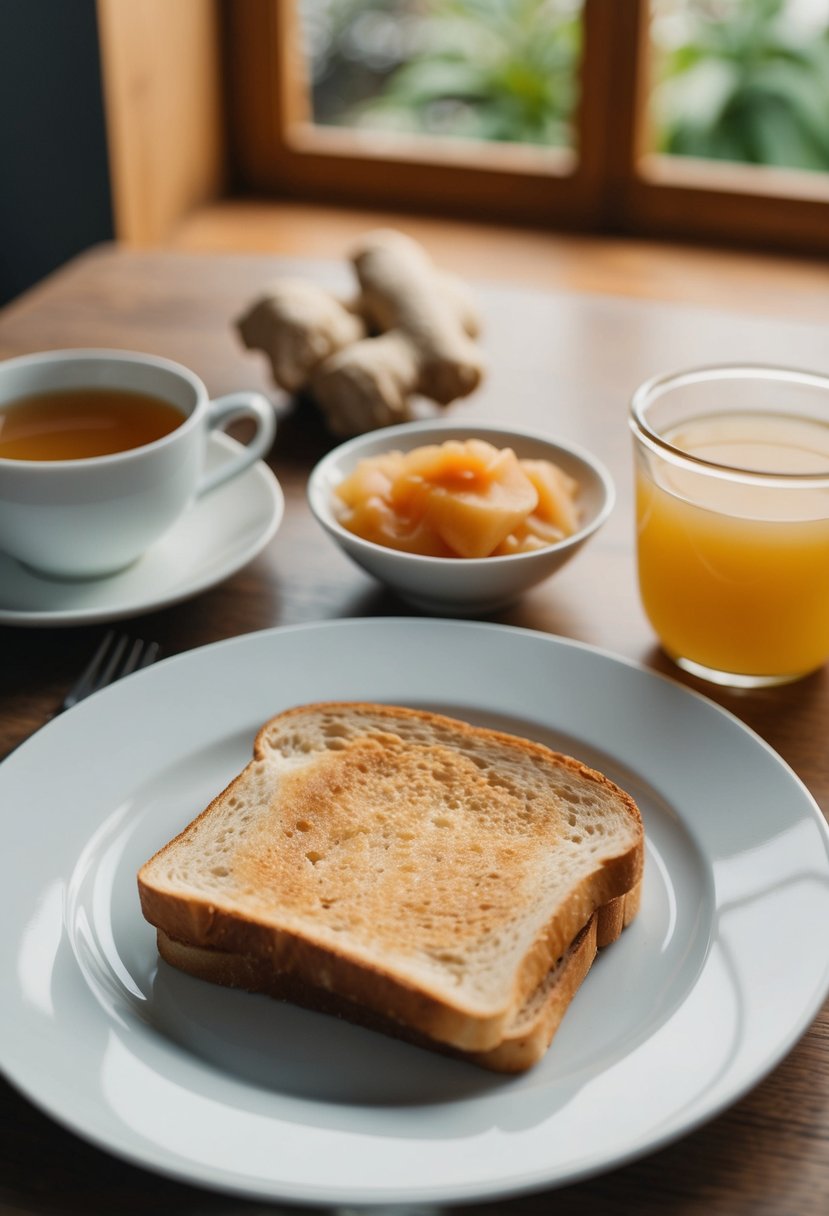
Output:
x=218 y=535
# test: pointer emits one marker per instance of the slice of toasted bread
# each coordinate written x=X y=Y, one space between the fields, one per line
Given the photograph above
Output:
x=423 y=869
x=525 y=1040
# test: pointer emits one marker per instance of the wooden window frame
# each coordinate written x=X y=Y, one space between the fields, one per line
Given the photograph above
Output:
x=612 y=185
x=281 y=152
x=713 y=200
x=205 y=99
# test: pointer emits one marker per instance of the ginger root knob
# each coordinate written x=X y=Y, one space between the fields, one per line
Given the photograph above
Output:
x=409 y=332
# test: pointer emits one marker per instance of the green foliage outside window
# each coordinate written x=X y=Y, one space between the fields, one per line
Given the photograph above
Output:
x=735 y=80
x=490 y=69
x=501 y=70
x=746 y=86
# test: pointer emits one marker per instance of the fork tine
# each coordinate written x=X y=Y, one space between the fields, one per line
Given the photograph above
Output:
x=151 y=653
x=85 y=681
x=141 y=655
x=133 y=660
x=107 y=674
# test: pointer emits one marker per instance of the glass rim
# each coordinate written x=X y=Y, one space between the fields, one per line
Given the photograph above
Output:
x=661 y=384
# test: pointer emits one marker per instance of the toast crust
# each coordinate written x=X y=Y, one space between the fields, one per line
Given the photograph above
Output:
x=525 y=1041
x=375 y=741
x=526 y=1038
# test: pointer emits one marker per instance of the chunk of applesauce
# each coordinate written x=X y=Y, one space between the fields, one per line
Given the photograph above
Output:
x=462 y=498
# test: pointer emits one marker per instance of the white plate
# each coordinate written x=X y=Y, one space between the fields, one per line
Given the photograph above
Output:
x=696 y=1001
x=214 y=538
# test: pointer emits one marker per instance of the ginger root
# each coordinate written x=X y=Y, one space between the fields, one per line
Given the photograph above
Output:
x=298 y=325
x=409 y=332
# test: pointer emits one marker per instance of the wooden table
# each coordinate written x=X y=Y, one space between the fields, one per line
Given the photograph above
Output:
x=563 y=363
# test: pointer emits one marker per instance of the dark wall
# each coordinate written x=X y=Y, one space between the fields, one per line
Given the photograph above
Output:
x=54 y=182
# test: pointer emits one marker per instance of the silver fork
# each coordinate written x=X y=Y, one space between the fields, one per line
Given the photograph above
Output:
x=117 y=656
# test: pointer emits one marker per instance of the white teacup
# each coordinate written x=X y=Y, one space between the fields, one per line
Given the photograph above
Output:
x=90 y=517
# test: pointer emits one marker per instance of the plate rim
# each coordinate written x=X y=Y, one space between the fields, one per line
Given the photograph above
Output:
x=196 y=1174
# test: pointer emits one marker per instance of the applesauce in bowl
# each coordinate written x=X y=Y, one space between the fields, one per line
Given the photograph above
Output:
x=489 y=517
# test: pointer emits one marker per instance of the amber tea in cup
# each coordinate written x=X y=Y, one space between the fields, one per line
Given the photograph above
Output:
x=78 y=423
x=102 y=451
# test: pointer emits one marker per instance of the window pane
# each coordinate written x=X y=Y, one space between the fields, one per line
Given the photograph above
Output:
x=504 y=70
x=742 y=81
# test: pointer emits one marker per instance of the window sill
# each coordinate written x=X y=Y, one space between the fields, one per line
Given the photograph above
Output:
x=710 y=277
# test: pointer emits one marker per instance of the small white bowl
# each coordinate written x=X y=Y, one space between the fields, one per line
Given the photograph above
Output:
x=460 y=586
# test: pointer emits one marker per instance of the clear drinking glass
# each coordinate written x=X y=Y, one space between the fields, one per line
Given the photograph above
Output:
x=732 y=512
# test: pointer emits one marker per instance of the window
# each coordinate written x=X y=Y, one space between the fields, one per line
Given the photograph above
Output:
x=669 y=117
x=468 y=70
x=741 y=82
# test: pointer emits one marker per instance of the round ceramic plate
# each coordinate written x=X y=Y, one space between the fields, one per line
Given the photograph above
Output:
x=218 y=535
x=242 y=1093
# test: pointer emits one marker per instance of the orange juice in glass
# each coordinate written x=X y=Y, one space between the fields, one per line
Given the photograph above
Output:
x=732 y=515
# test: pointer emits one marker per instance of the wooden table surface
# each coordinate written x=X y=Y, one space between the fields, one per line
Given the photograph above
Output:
x=562 y=363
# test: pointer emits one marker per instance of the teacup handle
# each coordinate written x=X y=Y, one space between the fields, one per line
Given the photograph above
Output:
x=221 y=413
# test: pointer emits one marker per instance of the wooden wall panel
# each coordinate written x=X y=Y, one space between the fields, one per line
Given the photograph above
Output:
x=162 y=75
